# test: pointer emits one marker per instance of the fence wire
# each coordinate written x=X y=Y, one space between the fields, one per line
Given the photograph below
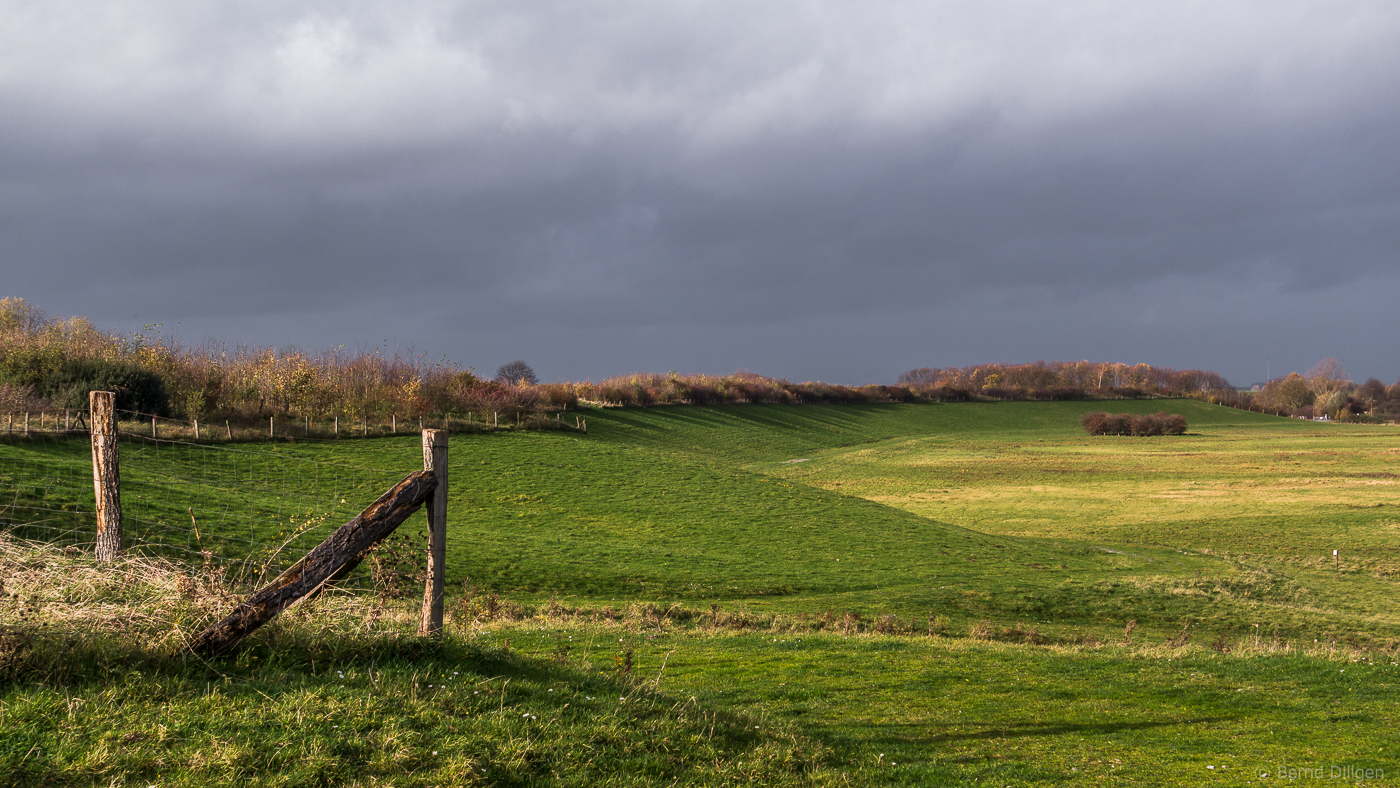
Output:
x=255 y=508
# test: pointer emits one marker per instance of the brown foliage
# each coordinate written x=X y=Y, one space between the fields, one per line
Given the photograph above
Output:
x=1060 y=380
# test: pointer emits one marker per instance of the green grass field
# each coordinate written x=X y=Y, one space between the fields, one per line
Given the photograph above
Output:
x=1000 y=553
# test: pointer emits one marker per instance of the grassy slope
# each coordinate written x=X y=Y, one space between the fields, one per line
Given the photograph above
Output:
x=595 y=517
x=999 y=511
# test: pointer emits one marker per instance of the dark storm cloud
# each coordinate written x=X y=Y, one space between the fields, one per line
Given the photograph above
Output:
x=805 y=189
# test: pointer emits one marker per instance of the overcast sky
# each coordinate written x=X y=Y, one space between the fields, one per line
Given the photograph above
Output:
x=815 y=190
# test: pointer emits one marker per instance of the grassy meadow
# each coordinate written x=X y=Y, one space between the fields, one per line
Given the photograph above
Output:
x=937 y=593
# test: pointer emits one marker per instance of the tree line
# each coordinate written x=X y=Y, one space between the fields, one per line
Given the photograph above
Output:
x=50 y=363
x=1324 y=391
x=1059 y=380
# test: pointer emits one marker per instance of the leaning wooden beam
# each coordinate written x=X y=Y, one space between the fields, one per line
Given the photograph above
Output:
x=333 y=558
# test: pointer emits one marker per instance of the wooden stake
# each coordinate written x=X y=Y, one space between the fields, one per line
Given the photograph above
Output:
x=228 y=429
x=154 y=433
x=106 y=477
x=270 y=432
x=435 y=462
x=196 y=429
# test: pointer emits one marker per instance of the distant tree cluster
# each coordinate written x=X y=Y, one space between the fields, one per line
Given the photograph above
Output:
x=1101 y=423
x=1059 y=380
x=1322 y=392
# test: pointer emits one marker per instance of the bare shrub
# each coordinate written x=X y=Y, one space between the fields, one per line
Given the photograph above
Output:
x=1100 y=423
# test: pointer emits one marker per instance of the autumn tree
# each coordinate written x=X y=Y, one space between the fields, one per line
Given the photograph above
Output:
x=516 y=372
x=1286 y=394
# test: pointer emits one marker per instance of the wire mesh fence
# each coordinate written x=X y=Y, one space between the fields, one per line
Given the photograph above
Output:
x=254 y=508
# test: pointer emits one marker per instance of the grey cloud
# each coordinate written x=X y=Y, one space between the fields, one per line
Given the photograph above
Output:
x=675 y=185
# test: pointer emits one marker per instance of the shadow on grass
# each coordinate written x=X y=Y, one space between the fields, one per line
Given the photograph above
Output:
x=1034 y=729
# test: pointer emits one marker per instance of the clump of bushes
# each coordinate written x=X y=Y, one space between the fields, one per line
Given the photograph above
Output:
x=1101 y=423
x=673 y=388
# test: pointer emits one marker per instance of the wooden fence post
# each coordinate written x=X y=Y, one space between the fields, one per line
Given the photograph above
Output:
x=106 y=480
x=331 y=559
x=435 y=462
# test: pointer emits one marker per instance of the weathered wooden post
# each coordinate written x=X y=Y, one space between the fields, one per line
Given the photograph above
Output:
x=435 y=462
x=106 y=480
x=333 y=558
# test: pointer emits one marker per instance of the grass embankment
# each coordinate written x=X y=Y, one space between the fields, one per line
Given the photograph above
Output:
x=95 y=689
x=696 y=530
x=957 y=512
